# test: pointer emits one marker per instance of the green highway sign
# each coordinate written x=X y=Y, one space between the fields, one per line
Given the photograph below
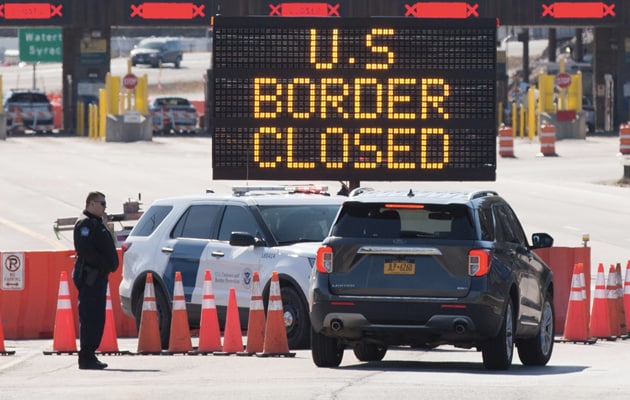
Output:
x=40 y=44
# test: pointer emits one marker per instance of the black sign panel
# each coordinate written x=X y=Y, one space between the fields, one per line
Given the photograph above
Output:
x=32 y=12
x=169 y=12
x=365 y=99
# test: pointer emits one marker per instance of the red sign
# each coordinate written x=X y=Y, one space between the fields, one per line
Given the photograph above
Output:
x=130 y=81
x=571 y=9
x=304 y=10
x=158 y=10
x=563 y=80
x=442 y=9
x=28 y=11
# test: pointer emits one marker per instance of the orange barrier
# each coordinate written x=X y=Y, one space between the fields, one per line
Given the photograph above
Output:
x=624 y=138
x=562 y=260
x=200 y=106
x=256 y=322
x=179 y=341
x=57 y=102
x=232 y=337
x=209 y=331
x=149 y=341
x=276 y=342
x=506 y=141
x=576 y=324
x=29 y=307
x=600 y=321
x=547 y=139
x=3 y=350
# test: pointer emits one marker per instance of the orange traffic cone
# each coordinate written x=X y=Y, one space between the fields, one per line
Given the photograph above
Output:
x=109 y=341
x=233 y=336
x=276 y=343
x=626 y=295
x=64 y=337
x=209 y=332
x=256 y=322
x=611 y=295
x=149 y=333
x=587 y=300
x=621 y=314
x=600 y=322
x=576 y=323
x=180 y=330
x=3 y=350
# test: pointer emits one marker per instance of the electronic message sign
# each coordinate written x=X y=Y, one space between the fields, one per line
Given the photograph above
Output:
x=169 y=12
x=25 y=12
x=353 y=98
x=577 y=12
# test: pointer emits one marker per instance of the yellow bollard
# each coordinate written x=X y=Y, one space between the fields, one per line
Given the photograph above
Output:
x=101 y=112
x=521 y=120
x=80 y=118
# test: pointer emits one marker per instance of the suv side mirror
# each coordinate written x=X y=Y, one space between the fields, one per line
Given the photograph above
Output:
x=541 y=240
x=244 y=239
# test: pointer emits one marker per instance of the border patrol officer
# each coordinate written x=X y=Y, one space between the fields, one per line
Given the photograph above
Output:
x=96 y=258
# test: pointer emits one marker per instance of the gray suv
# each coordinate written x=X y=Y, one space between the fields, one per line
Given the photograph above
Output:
x=155 y=51
x=425 y=269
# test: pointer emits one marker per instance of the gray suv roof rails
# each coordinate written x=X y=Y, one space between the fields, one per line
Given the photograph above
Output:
x=481 y=193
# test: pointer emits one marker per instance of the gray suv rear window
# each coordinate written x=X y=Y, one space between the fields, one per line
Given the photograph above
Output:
x=376 y=220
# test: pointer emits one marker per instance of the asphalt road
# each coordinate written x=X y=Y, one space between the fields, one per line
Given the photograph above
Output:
x=575 y=372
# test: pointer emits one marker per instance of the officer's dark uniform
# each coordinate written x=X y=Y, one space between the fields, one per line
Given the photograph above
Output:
x=96 y=258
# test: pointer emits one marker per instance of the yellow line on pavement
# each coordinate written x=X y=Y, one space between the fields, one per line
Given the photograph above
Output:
x=56 y=244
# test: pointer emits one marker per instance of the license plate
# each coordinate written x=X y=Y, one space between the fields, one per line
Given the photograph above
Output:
x=400 y=268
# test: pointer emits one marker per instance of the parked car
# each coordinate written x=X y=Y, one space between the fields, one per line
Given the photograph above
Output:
x=253 y=230
x=28 y=109
x=425 y=269
x=171 y=114
x=157 y=51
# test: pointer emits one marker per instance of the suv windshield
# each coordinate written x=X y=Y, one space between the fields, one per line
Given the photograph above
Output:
x=151 y=45
x=307 y=223
x=28 y=97
x=374 y=220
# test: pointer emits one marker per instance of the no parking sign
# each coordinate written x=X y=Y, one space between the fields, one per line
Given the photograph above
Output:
x=12 y=271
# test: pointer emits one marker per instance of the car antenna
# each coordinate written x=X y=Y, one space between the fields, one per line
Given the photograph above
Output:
x=410 y=194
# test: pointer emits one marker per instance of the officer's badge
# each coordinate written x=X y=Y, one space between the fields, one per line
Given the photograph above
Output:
x=85 y=231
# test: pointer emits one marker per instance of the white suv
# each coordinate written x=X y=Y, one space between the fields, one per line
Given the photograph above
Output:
x=255 y=229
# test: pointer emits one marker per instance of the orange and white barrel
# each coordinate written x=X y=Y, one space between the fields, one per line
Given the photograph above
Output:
x=547 y=137
x=506 y=141
x=624 y=138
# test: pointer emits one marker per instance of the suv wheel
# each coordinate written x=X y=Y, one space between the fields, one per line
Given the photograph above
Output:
x=497 y=352
x=296 y=319
x=537 y=350
x=369 y=351
x=164 y=315
x=327 y=352
x=178 y=61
